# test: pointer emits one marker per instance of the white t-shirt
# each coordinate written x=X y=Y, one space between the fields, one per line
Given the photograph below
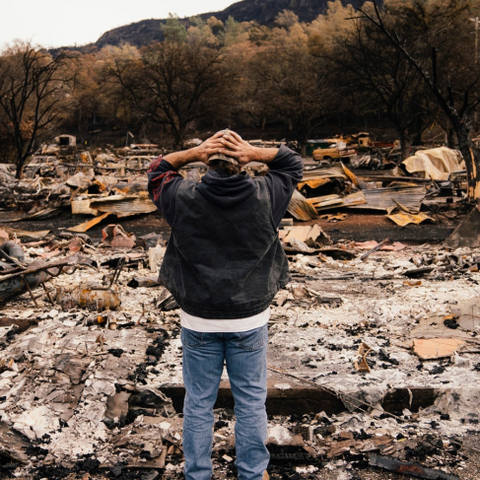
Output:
x=199 y=324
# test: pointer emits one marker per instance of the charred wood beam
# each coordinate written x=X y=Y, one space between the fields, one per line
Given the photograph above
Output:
x=298 y=400
x=406 y=468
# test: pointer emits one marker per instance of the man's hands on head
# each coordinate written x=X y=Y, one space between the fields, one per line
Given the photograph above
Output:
x=227 y=142
x=232 y=144
x=196 y=154
x=235 y=146
x=244 y=152
x=210 y=146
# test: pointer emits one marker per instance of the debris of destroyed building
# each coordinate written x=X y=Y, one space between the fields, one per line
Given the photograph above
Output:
x=373 y=347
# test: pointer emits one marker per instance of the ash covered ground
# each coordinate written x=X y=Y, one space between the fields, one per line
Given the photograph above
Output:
x=87 y=392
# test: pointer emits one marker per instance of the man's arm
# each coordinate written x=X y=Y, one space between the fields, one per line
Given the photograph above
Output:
x=164 y=179
x=286 y=171
x=163 y=182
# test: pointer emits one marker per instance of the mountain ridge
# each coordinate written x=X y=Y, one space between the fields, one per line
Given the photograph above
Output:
x=263 y=12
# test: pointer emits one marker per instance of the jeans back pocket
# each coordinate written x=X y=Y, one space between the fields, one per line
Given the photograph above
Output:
x=191 y=338
x=253 y=339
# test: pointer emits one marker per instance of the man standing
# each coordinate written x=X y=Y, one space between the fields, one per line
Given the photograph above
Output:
x=223 y=265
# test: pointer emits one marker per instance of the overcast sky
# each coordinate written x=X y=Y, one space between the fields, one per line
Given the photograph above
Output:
x=60 y=23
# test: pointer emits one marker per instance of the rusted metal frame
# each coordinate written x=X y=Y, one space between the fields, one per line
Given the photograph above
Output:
x=12 y=270
x=29 y=289
x=78 y=164
x=50 y=271
x=106 y=168
x=46 y=267
x=52 y=275
x=61 y=270
x=116 y=274
x=118 y=271
x=47 y=293
x=394 y=178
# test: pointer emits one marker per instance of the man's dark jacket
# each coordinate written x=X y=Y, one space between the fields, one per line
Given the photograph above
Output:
x=224 y=259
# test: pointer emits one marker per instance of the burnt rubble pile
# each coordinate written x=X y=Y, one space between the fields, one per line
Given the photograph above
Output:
x=370 y=366
x=60 y=177
x=374 y=354
x=110 y=181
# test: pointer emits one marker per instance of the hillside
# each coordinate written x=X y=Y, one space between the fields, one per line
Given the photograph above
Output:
x=265 y=11
x=262 y=11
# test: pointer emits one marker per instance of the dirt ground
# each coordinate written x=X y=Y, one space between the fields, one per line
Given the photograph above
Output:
x=365 y=226
x=358 y=226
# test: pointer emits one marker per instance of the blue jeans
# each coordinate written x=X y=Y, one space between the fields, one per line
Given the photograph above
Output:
x=245 y=355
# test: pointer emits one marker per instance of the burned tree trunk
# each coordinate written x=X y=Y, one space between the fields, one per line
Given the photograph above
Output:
x=31 y=98
x=458 y=118
x=471 y=156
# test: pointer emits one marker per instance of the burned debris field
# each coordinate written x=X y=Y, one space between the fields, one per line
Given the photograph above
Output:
x=373 y=356
x=373 y=347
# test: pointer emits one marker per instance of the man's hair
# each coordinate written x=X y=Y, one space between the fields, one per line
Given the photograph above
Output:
x=225 y=167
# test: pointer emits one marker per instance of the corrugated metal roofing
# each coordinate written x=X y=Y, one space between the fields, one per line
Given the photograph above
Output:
x=386 y=199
